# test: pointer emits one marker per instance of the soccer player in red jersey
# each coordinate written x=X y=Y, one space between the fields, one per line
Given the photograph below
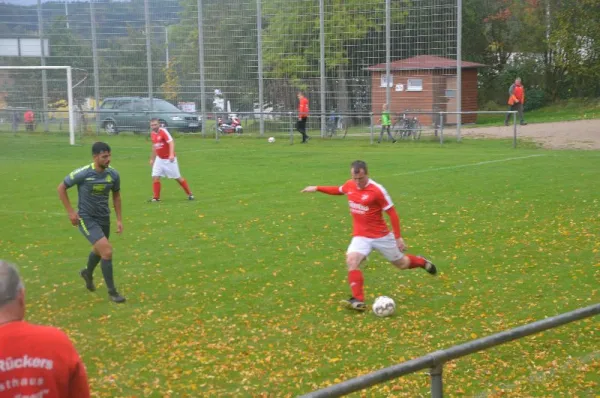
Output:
x=164 y=161
x=368 y=200
x=35 y=360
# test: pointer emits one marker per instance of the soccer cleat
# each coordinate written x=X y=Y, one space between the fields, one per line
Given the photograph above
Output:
x=191 y=197
x=116 y=297
x=89 y=281
x=154 y=200
x=429 y=266
x=354 y=304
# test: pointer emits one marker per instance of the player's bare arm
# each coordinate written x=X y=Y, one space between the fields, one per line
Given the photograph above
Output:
x=64 y=198
x=152 y=156
x=117 y=205
x=329 y=190
x=395 y=221
x=171 y=150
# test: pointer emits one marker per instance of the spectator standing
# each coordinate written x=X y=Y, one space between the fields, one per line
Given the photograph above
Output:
x=29 y=118
x=516 y=99
x=302 y=116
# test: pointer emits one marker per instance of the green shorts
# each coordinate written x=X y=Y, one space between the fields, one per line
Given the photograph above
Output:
x=92 y=230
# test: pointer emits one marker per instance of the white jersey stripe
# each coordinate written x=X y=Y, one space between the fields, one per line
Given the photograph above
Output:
x=386 y=195
x=167 y=133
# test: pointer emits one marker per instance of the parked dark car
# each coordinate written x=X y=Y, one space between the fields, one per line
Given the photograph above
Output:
x=133 y=114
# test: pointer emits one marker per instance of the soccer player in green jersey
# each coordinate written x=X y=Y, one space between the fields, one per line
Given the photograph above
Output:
x=94 y=184
x=386 y=123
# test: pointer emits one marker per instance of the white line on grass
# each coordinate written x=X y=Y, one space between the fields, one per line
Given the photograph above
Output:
x=460 y=166
x=37 y=213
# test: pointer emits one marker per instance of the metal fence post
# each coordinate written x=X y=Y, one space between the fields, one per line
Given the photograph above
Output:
x=95 y=66
x=43 y=63
x=441 y=129
x=322 y=64
x=436 y=381
x=201 y=64
x=372 y=127
x=216 y=127
x=291 y=129
x=261 y=101
x=515 y=130
x=149 y=54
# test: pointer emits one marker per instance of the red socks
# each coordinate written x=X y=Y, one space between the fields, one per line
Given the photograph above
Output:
x=185 y=186
x=156 y=189
x=356 y=281
x=416 y=261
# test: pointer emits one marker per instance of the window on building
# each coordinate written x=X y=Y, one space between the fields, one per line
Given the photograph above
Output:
x=390 y=80
x=414 y=85
x=451 y=93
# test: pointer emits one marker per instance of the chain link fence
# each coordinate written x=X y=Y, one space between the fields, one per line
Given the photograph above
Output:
x=142 y=58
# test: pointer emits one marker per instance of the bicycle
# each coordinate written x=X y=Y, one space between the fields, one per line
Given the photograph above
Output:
x=333 y=124
x=407 y=127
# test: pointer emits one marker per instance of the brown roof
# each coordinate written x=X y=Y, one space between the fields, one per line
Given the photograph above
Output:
x=424 y=62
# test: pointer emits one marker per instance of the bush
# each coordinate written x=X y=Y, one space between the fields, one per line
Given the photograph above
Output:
x=535 y=98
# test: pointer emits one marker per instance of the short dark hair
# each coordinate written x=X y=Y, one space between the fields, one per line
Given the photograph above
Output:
x=100 y=147
x=359 y=165
x=10 y=283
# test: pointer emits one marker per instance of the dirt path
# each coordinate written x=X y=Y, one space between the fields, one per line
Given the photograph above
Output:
x=579 y=134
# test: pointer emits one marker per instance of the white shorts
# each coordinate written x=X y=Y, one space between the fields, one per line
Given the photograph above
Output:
x=165 y=168
x=385 y=245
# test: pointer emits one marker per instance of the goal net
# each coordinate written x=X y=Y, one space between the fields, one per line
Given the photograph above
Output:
x=39 y=99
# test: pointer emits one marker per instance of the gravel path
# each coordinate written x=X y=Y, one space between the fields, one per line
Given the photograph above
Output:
x=579 y=134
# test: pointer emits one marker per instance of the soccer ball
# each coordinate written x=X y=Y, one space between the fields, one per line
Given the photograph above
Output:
x=384 y=306
x=271 y=139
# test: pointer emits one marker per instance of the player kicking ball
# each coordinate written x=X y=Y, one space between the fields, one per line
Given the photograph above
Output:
x=164 y=161
x=368 y=200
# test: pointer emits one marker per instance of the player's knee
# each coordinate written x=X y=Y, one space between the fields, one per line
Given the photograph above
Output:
x=106 y=253
x=104 y=248
x=402 y=263
x=353 y=261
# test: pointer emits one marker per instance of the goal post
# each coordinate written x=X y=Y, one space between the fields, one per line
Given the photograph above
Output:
x=70 y=104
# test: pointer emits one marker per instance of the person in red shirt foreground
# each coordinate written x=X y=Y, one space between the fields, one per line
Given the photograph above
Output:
x=164 y=161
x=368 y=200
x=35 y=361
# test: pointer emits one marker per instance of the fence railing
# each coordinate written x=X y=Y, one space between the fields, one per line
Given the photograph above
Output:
x=435 y=361
x=409 y=124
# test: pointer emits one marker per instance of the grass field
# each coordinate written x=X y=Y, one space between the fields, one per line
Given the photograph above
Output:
x=236 y=293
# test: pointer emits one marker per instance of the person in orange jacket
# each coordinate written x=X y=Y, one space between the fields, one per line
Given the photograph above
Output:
x=302 y=116
x=516 y=99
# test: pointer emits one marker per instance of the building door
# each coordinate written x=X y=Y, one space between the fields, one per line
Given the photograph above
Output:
x=450 y=94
